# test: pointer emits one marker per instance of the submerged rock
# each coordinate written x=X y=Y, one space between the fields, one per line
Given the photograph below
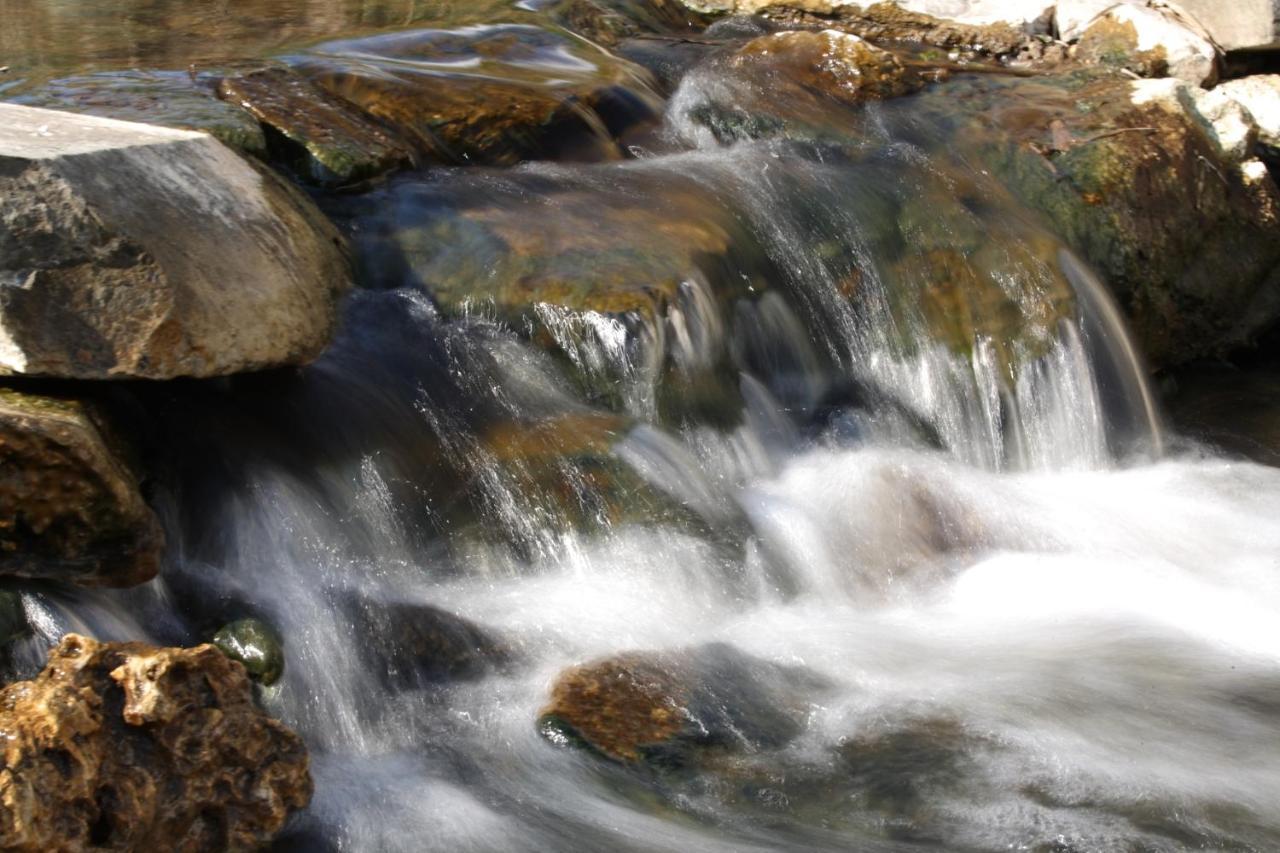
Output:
x=495 y=94
x=256 y=645
x=408 y=644
x=667 y=710
x=128 y=250
x=125 y=746
x=70 y=508
x=793 y=84
x=328 y=141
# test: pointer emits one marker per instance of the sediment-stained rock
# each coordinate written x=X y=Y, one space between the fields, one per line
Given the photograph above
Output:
x=70 y=508
x=128 y=250
x=125 y=746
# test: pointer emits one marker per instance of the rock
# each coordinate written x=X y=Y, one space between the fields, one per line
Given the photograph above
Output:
x=1150 y=42
x=495 y=94
x=408 y=645
x=70 y=509
x=1233 y=409
x=135 y=251
x=125 y=746
x=166 y=98
x=667 y=709
x=1031 y=15
x=792 y=84
x=256 y=645
x=609 y=23
x=1243 y=23
x=1184 y=238
x=1260 y=95
x=330 y=142
x=993 y=34
x=1228 y=125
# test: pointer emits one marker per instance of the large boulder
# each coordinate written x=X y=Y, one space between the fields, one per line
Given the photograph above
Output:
x=1135 y=178
x=125 y=746
x=128 y=250
x=70 y=508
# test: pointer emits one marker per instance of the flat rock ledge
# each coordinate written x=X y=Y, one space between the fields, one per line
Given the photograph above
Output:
x=125 y=746
x=134 y=251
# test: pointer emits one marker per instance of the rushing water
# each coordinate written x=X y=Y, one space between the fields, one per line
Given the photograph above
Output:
x=838 y=406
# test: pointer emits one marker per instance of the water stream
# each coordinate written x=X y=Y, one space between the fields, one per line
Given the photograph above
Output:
x=824 y=401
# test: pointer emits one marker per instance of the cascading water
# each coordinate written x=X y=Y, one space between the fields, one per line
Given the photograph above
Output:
x=909 y=451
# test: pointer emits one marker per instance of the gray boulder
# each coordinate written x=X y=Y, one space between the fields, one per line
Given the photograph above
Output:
x=134 y=251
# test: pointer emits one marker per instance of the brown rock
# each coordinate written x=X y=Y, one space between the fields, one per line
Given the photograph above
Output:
x=336 y=144
x=838 y=65
x=124 y=746
x=674 y=709
x=70 y=509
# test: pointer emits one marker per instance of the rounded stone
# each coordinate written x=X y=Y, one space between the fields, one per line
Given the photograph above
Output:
x=254 y=644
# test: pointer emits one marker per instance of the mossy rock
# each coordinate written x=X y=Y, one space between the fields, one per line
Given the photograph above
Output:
x=256 y=645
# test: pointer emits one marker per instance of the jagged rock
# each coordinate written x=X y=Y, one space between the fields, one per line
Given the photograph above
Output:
x=128 y=250
x=1151 y=42
x=667 y=710
x=257 y=647
x=70 y=508
x=331 y=142
x=1260 y=95
x=166 y=98
x=125 y=746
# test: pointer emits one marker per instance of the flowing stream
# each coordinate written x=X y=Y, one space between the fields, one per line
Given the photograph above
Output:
x=825 y=402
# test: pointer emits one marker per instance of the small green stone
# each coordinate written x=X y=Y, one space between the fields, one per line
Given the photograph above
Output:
x=255 y=645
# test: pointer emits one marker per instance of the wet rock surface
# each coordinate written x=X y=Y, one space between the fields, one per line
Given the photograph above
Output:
x=410 y=645
x=1140 y=188
x=494 y=94
x=128 y=250
x=128 y=746
x=324 y=139
x=70 y=507
x=180 y=99
x=668 y=710
x=256 y=646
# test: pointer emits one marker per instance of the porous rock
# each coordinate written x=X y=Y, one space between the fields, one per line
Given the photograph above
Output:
x=125 y=746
